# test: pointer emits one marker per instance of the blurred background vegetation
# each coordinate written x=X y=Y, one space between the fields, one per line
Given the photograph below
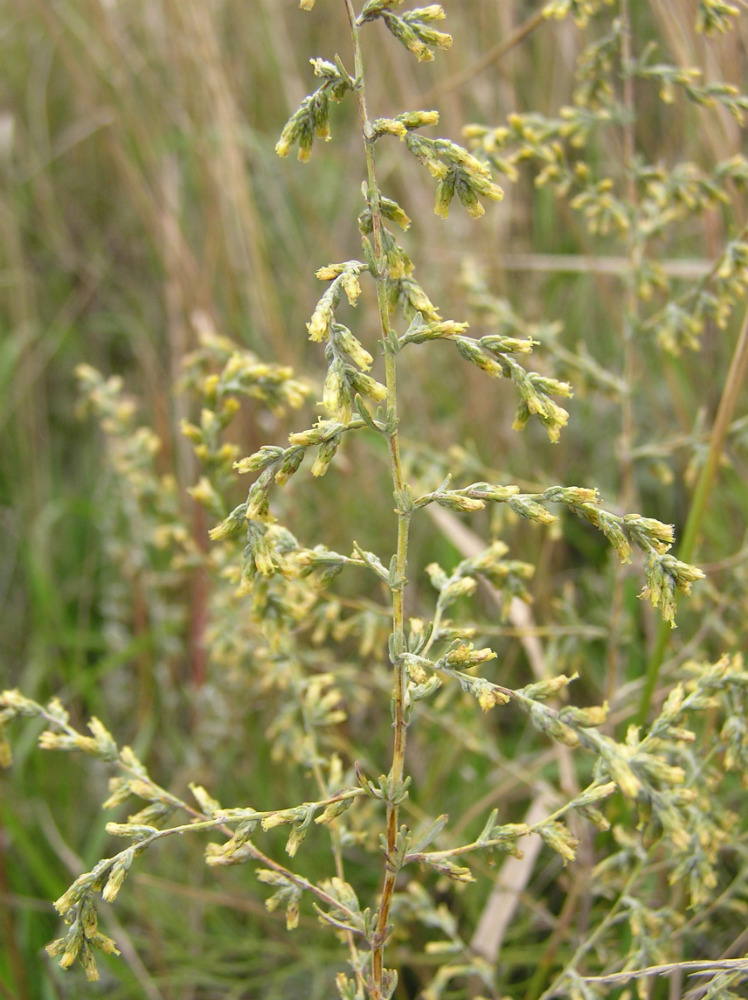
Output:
x=140 y=194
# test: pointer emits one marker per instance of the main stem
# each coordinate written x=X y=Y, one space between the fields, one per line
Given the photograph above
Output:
x=403 y=522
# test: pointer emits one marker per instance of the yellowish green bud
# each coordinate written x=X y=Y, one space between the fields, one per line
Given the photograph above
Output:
x=559 y=838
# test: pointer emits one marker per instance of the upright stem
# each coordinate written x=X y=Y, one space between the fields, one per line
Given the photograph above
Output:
x=403 y=521
x=337 y=851
x=728 y=400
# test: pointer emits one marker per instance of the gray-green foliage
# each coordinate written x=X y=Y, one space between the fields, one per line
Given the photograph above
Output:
x=276 y=613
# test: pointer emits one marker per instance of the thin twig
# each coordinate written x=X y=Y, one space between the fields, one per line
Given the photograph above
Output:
x=695 y=967
x=487 y=59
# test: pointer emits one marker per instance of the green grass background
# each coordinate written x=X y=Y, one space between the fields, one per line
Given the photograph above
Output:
x=139 y=184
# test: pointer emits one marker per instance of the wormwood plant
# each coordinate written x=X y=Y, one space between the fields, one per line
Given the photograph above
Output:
x=274 y=607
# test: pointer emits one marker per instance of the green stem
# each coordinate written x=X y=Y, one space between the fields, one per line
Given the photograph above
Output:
x=591 y=940
x=8 y=923
x=403 y=521
x=335 y=838
x=734 y=383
